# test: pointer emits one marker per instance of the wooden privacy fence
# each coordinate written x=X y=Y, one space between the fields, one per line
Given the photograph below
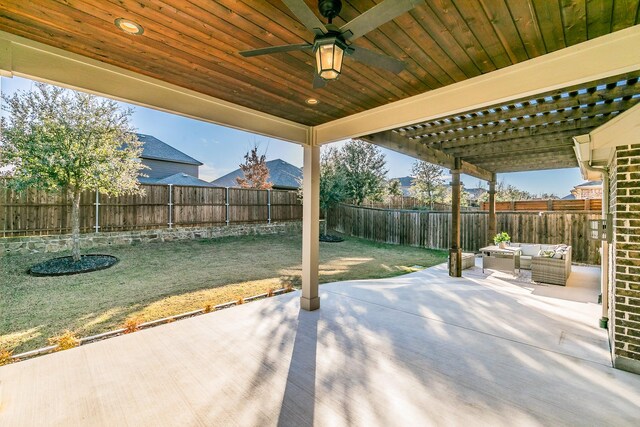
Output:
x=408 y=202
x=37 y=212
x=548 y=205
x=432 y=229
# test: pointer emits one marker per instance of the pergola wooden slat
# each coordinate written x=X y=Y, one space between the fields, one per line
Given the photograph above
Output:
x=521 y=135
x=533 y=133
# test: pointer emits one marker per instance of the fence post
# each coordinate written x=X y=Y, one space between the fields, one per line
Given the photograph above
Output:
x=97 y=203
x=170 y=204
x=269 y=206
x=226 y=202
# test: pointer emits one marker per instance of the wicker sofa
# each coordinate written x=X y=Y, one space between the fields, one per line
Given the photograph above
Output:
x=554 y=270
x=530 y=250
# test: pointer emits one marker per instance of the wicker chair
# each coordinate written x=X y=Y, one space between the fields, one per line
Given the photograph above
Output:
x=551 y=270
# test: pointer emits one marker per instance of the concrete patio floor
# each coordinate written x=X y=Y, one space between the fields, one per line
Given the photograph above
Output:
x=421 y=349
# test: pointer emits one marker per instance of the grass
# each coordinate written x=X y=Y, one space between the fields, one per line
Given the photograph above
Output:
x=161 y=279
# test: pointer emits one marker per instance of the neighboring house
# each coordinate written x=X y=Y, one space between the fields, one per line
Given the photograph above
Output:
x=282 y=175
x=586 y=190
x=168 y=165
x=474 y=193
x=405 y=184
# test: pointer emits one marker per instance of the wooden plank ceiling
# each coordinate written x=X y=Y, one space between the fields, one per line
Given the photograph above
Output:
x=534 y=133
x=195 y=43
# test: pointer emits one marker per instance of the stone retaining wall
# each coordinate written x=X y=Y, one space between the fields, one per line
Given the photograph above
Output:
x=39 y=244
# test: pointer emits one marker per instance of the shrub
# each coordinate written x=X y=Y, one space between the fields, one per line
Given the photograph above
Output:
x=501 y=237
x=5 y=357
x=208 y=308
x=65 y=341
x=240 y=301
x=132 y=324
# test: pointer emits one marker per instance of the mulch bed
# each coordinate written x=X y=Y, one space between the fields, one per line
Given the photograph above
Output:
x=330 y=238
x=65 y=266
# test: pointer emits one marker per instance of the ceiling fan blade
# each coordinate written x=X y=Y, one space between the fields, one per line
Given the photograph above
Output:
x=318 y=82
x=276 y=49
x=306 y=16
x=376 y=16
x=368 y=57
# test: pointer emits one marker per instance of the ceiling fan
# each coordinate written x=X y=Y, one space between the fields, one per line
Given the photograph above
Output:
x=331 y=42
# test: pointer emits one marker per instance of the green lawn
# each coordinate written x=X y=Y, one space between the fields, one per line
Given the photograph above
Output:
x=160 y=279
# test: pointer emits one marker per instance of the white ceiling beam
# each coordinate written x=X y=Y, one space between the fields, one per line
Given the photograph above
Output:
x=621 y=130
x=26 y=58
x=602 y=57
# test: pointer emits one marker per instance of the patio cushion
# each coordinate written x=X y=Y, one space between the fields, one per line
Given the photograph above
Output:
x=548 y=247
x=547 y=253
x=530 y=250
x=560 y=253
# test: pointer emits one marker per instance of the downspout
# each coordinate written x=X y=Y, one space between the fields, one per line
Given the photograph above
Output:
x=604 y=273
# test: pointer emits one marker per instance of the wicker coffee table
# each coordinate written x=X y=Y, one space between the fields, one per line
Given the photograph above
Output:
x=496 y=258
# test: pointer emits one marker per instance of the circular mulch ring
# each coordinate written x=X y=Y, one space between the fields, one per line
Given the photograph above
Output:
x=65 y=266
x=330 y=238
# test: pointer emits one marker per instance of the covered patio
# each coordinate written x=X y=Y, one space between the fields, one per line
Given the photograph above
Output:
x=541 y=76
x=418 y=349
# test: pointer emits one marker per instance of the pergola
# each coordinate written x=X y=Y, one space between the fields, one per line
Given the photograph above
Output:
x=489 y=86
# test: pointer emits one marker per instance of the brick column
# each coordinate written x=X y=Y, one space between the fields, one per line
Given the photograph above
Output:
x=624 y=311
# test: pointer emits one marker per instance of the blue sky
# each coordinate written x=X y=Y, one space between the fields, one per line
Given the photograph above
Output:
x=221 y=149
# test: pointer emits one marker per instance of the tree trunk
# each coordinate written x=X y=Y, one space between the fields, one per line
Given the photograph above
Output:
x=75 y=225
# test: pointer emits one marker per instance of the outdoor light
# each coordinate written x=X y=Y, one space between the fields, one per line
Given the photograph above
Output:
x=329 y=53
x=311 y=101
x=129 y=27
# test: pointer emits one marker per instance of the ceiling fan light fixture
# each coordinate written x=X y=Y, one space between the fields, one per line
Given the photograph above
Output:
x=329 y=55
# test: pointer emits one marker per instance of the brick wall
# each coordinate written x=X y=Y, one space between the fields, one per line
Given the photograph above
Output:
x=625 y=265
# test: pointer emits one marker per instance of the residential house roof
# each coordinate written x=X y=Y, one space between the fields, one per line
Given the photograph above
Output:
x=183 y=179
x=281 y=174
x=177 y=179
x=154 y=149
x=589 y=184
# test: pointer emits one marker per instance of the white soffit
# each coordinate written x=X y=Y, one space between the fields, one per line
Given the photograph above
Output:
x=621 y=130
x=25 y=58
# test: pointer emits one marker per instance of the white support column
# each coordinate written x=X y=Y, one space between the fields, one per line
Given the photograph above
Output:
x=310 y=224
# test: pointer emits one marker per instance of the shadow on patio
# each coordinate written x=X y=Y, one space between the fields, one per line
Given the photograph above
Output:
x=422 y=348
